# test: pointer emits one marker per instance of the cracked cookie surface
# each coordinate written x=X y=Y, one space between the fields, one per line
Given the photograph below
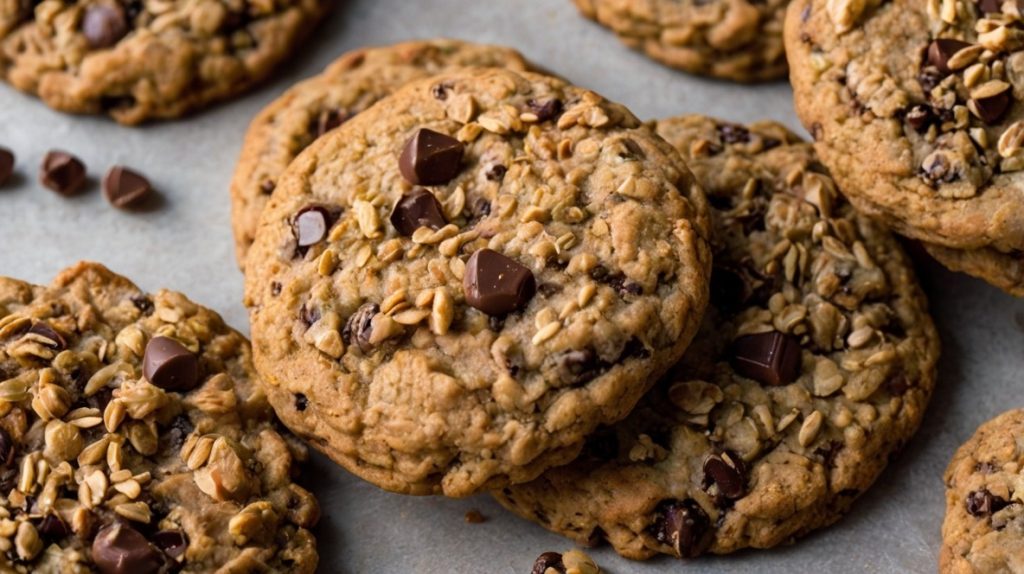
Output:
x=471 y=330
x=737 y=40
x=133 y=437
x=984 y=526
x=138 y=61
x=914 y=107
x=813 y=366
x=348 y=86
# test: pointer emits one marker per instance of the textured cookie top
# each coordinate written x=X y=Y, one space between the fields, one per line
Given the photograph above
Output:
x=984 y=526
x=733 y=39
x=813 y=366
x=472 y=329
x=348 y=86
x=132 y=433
x=913 y=106
x=137 y=60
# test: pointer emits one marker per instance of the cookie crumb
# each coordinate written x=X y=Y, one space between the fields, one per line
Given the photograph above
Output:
x=473 y=516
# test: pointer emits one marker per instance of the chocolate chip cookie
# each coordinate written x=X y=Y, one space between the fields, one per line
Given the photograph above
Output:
x=351 y=84
x=984 y=526
x=138 y=61
x=1003 y=270
x=914 y=109
x=813 y=366
x=133 y=438
x=454 y=288
x=738 y=40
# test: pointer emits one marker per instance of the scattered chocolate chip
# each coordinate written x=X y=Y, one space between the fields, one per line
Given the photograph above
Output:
x=727 y=473
x=103 y=25
x=172 y=542
x=52 y=528
x=431 y=158
x=981 y=503
x=44 y=330
x=125 y=188
x=990 y=6
x=169 y=365
x=684 y=526
x=6 y=165
x=769 y=358
x=310 y=225
x=941 y=50
x=546 y=561
x=418 y=208
x=268 y=186
x=359 y=327
x=733 y=134
x=120 y=549
x=496 y=284
x=576 y=367
x=992 y=109
x=7 y=448
x=545 y=110
x=328 y=120
x=301 y=402
x=496 y=172
x=473 y=516
x=62 y=172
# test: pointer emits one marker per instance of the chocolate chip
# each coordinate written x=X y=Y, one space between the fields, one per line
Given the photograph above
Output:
x=6 y=165
x=44 y=330
x=576 y=367
x=496 y=284
x=310 y=225
x=769 y=358
x=172 y=542
x=275 y=288
x=431 y=158
x=359 y=326
x=481 y=208
x=125 y=188
x=301 y=402
x=733 y=134
x=267 y=187
x=103 y=25
x=981 y=503
x=726 y=473
x=169 y=365
x=992 y=109
x=62 y=172
x=496 y=172
x=52 y=528
x=120 y=549
x=181 y=427
x=633 y=150
x=143 y=303
x=545 y=110
x=920 y=118
x=941 y=50
x=7 y=448
x=990 y=6
x=684 y=526
x=328 y=120
x=309 y=315
x=418 y=208
x=440 y=91
x=546 y=561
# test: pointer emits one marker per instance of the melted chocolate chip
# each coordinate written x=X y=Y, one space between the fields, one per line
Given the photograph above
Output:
x=169 y=365
x=496 y=172
x=733 y=134
x=941 y=50
x=172 y=542
x=497 y=285
x=770 y=358
x=53 y=338
x=683 y=526
x=545 y=110
x=981 y=503
x=726 y=473
x=546 y=561
x=359 y=327
x=120 y=549
x=327 y=120
x=993 y=108
x=143 y=303
x=431 y=158
x=577 y=367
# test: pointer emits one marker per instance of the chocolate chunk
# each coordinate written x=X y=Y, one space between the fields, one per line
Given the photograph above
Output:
x=546 y=561
x=727 y=473
x=431 y=158
x=418 y=208
x=120 y=549
x=769 y=358
x=941 y=50
x=990 y=6
x=733 y=134
x=920 y=118
x=44 y=330
x=52 y=528
x=359 y=327
x=684 y=526
x=545 y=110
x=578 y=367
x=310 y=225
x=172 y=542
x=125 y=188
x=62 y=172
x=169 y=365
x=6 y=165
x=992 y=109
x=496 y=284
x=981 y=503
x=7 y=448
x=103 y=25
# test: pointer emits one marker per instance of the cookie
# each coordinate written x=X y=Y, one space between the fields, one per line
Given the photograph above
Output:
x=738 y=40
x=351 y=84
x=133 y=437
x=1003 y=270
x=451 y=290
x=138 y=61
x=913 y=111
x=813 y=366
x=984 y=526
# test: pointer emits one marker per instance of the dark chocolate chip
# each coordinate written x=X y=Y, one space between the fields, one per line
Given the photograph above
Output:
x=992 y=109
x=545 y=110
x=125 y=188
x=359 y=326
x=727 y=473
x=981 y=503
x=169 y=365
x=6 y=165
x=496 y=323
x=172 y=542
x=301 y=402
x=267 y=187
x=941 y=50
x=275 y=288
x=328 y=120
x=431 y=158
x=62 y=172
x=684 y=526
x=143 y=303
x=310 y=225
x=103 y=25
x=733 y=134
x=546 y=561
x=7 y=448
x=481 y=208
x=497 y=285
x=44 y=330
x=440 y=91
x=920 y=118
x=120 y=549
x=496 y=172
x=769 y=358
x=633 y=150
x=578 y=367
x=309 y=315
x=990 y=6
x=418 y=208
x=52 y=528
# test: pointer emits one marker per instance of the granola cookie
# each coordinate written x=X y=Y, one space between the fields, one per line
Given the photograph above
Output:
x=138 y=61
x=133 y=438
x=1003 y=270
x=984 y=526
x=737 y=40
x=348 y=86
x=913 y=107
x=450 y=291
x=813 y=366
